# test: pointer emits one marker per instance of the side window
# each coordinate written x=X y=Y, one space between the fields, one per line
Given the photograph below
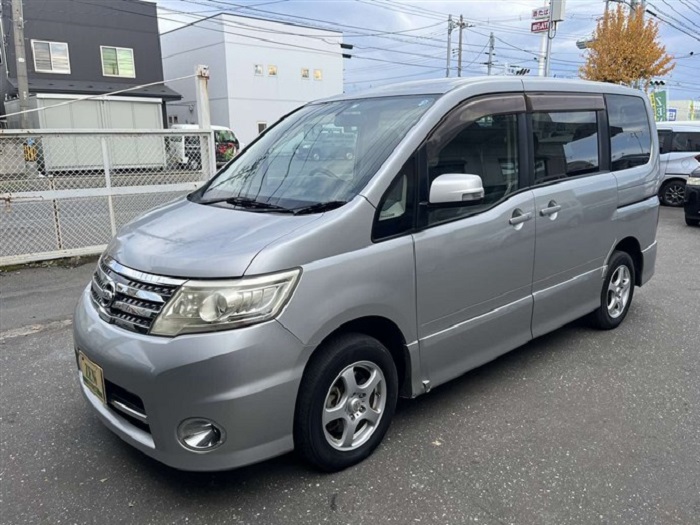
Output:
x=565 y=144
x=395 y=212
x=688 y=142
x=664 y=141
x=630 y=133
x=484 y=145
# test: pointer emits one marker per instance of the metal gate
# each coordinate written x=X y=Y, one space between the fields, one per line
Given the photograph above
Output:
x=67 y=192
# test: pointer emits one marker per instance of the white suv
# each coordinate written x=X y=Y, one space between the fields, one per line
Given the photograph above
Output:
x=679 y=145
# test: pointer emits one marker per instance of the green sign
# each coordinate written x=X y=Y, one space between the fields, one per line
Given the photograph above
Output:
x=658 y=102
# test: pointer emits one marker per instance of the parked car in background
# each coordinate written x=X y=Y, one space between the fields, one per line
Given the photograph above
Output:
x=679 y=145
x=226 y=143
x=692 y=199
x=188 y=152
x=328 y=143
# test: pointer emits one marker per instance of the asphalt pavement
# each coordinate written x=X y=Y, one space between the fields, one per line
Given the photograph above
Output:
x=578 y=426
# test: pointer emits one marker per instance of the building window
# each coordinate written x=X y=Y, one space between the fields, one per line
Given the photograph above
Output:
x=51 y=57
x=258 y=69
x=271 y=71
x=318 y=74
x=118 y=62
x=305 y=72
x=262 y=126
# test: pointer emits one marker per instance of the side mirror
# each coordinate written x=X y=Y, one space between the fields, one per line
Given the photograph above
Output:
x=456 y=189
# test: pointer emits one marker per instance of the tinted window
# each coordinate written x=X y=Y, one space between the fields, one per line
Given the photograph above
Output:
x=686 y=141
x=565 y=144
x=664 y=140
x=396 y=209
x=630 y=134
x=486 y=146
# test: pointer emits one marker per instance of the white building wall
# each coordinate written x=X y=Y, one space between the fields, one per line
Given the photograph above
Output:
x=186 y=48
x=239 y=98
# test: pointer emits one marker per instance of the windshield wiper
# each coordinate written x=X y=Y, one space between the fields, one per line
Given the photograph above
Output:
x=318 y=207
x=247 y=202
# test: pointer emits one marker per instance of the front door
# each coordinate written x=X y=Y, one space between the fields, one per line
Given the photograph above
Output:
x=474 y=263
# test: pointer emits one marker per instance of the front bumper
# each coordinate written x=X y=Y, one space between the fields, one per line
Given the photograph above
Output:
x=245 y=380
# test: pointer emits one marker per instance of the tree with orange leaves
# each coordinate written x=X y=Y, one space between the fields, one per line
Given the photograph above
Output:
x=625 y=50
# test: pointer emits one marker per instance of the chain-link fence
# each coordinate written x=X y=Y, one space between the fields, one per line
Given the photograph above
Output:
x=65 y=193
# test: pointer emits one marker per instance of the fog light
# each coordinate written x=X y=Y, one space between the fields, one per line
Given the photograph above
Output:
x=199 y=434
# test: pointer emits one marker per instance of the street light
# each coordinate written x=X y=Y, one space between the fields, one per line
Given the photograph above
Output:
x=583 y=43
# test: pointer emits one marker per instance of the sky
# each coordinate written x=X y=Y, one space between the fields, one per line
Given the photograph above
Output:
x=398 y=40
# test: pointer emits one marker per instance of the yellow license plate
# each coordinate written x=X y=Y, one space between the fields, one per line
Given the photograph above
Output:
x=92 y=376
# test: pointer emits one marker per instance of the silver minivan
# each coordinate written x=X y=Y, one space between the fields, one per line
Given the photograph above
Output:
x=290 y=301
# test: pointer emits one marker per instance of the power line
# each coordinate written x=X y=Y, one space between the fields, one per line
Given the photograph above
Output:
x=293 y=18
x=198 y=21
x=652 y=13
x=671 y=17
x=89 y=97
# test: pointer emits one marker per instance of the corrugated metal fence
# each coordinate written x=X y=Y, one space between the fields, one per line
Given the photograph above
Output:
x=67 y=192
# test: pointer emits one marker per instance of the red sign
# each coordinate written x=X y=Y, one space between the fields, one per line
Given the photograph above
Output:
x=540 y=26
x=540 y=13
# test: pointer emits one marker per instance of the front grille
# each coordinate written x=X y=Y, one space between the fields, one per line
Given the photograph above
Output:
x=129 y=298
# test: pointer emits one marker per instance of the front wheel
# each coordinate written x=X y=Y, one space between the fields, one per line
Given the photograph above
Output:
x=617 y=292
x=692 y=222
x=346 y=400
x=672 y=193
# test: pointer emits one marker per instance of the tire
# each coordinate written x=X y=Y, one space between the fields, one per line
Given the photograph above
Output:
x=355 y=375
x=672 y=193
x=692 y=222
x=616 y=295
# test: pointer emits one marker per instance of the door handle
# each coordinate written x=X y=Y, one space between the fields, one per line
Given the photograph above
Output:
x=551 y=209
x=519 y=217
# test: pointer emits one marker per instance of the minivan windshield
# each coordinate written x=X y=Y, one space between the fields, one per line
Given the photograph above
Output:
x=319 y=156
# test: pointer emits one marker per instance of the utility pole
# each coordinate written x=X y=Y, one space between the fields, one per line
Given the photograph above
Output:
x=450 y=27
x=459 y=51
x=550 y=36
x=636 y=5
x=542 y=61
x=202 y=96
x=489 y=64
x=21 y=62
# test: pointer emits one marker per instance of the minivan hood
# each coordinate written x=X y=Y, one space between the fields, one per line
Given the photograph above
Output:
x=189 y=240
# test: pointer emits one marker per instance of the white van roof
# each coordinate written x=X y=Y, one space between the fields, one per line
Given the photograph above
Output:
x=196 y=126
x=679 y=125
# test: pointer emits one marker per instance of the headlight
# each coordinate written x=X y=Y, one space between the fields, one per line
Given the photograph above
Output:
x=694 y=179
x=206 y=306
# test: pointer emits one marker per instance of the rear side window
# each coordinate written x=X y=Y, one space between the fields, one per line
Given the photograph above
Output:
x=630 y=133
x=565 y=144
x=685 y=141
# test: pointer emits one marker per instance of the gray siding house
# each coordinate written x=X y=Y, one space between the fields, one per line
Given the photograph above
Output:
x=84 y=47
